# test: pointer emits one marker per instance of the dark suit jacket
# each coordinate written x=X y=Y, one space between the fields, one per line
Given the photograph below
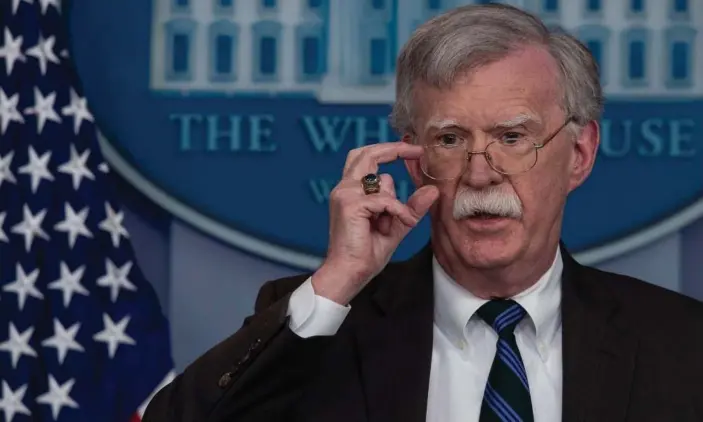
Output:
x=631 y=352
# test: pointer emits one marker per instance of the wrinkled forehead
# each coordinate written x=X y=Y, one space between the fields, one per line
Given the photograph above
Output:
x=518 y=90
x=487 y=103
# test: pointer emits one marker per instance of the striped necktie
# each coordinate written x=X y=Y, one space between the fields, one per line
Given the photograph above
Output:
x=507 y=394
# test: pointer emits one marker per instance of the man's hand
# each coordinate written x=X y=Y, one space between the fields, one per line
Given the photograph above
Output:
x=365 y=230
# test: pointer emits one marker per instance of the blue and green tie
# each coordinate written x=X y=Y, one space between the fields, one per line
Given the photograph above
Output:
x=507 y=394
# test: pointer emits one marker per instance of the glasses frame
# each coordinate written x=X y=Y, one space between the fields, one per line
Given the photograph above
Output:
x=485 y=153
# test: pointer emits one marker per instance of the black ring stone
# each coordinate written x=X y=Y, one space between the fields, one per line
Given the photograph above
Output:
x=371 y=178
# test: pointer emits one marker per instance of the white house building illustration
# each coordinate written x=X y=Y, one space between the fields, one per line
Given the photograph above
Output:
x=343 y=51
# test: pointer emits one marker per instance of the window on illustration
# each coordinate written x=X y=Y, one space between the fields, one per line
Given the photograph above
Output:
x=434 y=4
x=594 y=5
x=679 y=63
x=378 y=4
x=637 y=5
x=181 y=49
x=681 y=6
x=596 y=48
x=267 y=65
x=311 y=55
x=636 y=60
x=223 y=48
x=551 y=5
x=378 y=56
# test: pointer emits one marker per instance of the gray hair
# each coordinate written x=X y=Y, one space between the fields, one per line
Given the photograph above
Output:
x=463 y=39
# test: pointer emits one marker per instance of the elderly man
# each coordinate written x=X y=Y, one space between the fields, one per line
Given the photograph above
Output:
x=493 y=320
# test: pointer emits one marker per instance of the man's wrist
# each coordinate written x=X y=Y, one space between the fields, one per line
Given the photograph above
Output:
x=334 y=284
x=313 y=315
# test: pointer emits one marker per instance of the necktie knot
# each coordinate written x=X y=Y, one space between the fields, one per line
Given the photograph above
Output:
x=502 y=314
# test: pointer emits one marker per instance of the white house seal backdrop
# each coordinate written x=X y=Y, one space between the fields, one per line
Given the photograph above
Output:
x=197 y=98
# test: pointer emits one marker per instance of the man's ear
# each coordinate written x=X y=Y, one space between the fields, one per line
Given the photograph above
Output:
x=583 y=158
x=413 y=166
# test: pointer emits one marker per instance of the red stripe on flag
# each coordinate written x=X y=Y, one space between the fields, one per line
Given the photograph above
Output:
x=135 y=418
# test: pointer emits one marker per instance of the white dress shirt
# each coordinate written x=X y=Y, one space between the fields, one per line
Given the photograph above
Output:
x=464 y=345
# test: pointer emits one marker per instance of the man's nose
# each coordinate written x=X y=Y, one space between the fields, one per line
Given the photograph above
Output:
x=479 y=173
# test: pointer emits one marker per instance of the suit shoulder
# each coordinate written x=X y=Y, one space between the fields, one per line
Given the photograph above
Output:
x=644 y=297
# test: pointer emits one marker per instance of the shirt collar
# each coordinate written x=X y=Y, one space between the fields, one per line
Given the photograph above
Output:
x=455 y=306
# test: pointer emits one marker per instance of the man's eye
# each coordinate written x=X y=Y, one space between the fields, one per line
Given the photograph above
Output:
x=449 y=139
x=511 y=138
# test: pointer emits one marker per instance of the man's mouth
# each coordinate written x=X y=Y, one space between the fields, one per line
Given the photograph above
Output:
x=485 y=216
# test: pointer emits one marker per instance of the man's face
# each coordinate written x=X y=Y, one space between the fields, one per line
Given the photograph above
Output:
x=516 y=97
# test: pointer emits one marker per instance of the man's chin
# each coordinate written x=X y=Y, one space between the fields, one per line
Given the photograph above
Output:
x=489 y=254
x=488 y=243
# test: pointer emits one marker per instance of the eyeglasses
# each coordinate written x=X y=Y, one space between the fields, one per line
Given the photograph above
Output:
x=448 y=159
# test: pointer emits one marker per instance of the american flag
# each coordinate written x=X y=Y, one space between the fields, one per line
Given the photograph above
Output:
x=82 y=335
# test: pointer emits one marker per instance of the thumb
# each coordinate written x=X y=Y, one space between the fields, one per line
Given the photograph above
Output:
x=423 y=198
x=419 y=203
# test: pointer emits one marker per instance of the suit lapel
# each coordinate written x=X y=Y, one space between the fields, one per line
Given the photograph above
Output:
x=598 y=352
x=396 y=347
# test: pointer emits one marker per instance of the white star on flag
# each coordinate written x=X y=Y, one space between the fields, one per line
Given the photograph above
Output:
x=16 y=4
x=5 y=170
x=77 y=168
x=24 y=286
x=11 y=402
x=46 y=3
x=58 y=396
x=3 y=235
x=113 y=224
x=18 y=344
x=37 y=168
x=116 y=278
x=69 y=283
x=64 y=339
x=30 y=226
x=8 y=111
x=11 y=50
x=79 y=110
x=74 y=224
x=44 y=52
x=114 y=334
x=43 y=109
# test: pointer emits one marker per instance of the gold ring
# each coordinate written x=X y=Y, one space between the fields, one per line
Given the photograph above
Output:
x=371 y=183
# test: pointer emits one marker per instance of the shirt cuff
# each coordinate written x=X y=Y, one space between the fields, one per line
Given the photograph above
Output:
x=313 y=315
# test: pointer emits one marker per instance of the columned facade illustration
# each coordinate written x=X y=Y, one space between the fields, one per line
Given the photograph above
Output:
x=344 y=51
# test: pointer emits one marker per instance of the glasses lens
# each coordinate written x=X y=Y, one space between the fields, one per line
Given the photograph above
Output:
x=443 y=162
x=514 y=156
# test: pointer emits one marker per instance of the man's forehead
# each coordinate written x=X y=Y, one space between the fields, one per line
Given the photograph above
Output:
x=523 y=118
x=439 y=122
x=490 y=105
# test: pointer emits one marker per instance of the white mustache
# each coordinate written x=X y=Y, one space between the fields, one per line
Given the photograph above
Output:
x=469 y=203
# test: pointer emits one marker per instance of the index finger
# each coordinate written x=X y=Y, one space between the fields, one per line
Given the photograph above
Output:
x=371 y=156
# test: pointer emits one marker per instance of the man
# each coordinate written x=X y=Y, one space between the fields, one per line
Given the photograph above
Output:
x=493 y=320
